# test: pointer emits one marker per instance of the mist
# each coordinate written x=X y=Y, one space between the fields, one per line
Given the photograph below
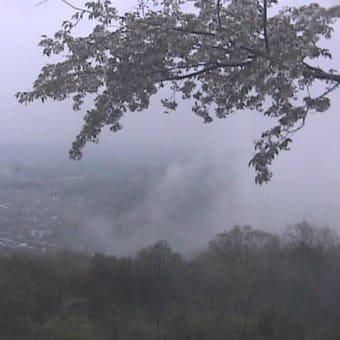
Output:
x=203 y=184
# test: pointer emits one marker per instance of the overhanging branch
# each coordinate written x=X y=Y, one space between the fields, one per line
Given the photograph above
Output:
x=320 y=74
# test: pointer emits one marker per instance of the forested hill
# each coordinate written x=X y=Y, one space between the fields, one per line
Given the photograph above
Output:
x=246 y=284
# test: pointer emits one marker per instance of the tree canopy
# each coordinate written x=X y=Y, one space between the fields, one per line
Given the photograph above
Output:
x=222 y=55
x=246 y=284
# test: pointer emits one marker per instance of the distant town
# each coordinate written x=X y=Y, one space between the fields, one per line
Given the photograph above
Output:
x=41 y=206
x=30 y=210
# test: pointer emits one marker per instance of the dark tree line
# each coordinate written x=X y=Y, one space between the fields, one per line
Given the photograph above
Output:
x=246 y=284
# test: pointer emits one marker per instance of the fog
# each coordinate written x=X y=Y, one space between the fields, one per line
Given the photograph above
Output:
x=208 y=162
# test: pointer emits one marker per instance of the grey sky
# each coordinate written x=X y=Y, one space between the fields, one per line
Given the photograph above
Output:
x=306 y=181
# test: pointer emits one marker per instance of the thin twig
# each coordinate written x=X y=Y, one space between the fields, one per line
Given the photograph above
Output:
x=331 y=89
x=219 y=14
x=75 y=7
x=290 y=133
x=40 y=3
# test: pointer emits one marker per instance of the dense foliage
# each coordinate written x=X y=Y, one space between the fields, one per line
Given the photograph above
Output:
x=222 y=55
x=247 y=284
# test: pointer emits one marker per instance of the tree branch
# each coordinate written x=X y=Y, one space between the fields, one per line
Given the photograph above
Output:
x=211 y=34
x=333 y=12
x=331 y=89
x=320 y=74
x=265 y=33
x=78 y=9
x=206 y=69
x=186 y=67
x=182 y=30
x=75 y=7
